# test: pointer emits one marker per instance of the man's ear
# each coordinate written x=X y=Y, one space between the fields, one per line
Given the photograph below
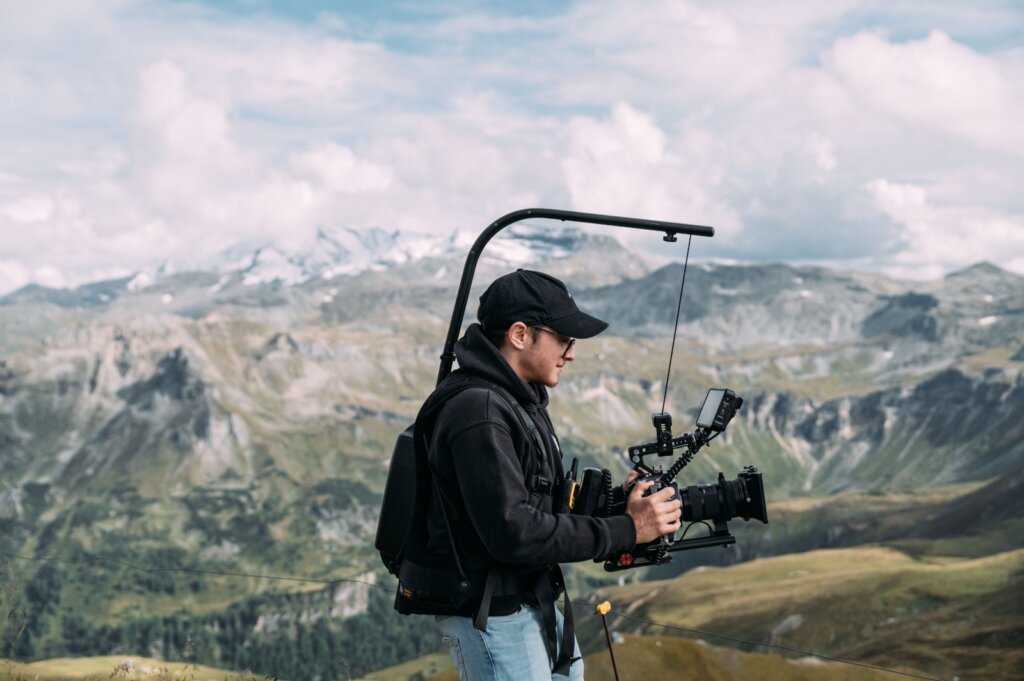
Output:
x=517 y=335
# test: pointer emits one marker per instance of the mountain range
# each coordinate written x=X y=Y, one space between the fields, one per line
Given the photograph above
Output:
x=237 y=415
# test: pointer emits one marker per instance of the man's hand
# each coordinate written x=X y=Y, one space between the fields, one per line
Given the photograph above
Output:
x=654 y=515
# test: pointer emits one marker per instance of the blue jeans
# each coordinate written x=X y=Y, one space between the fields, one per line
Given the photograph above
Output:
x=512 y=648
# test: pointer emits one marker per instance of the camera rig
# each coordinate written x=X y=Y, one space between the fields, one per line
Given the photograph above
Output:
x=715 y=503
x=701 y=503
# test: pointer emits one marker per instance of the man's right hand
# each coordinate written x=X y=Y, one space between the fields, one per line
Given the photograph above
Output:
x=654 y=515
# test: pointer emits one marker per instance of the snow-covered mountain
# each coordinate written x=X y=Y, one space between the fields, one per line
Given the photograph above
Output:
x=344 y=251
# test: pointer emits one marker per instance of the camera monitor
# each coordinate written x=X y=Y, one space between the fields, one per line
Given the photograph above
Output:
x=720 y=405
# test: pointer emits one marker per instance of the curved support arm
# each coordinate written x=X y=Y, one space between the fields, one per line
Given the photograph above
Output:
x=671 y=230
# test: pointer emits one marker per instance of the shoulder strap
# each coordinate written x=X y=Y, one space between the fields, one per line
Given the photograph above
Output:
x=537 y=484
x=459 y=381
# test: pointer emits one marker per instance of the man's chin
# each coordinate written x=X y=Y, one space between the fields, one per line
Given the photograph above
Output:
x=552 y=379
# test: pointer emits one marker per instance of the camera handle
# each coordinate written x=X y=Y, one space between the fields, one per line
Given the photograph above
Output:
x=666 y=444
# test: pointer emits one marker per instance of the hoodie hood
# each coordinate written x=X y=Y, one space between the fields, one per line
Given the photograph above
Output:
x=478 y=356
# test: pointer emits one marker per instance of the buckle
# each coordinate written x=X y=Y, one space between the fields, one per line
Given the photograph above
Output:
x=541 y=484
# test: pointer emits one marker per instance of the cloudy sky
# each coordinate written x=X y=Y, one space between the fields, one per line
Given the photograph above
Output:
x=872 y=134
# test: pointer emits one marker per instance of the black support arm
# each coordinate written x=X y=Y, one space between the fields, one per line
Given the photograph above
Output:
x=670 y=229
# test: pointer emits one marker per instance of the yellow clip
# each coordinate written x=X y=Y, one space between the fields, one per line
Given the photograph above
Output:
x=604 y=608
x=572 y=493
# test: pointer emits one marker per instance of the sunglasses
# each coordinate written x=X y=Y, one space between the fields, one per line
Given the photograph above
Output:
x=569 y=342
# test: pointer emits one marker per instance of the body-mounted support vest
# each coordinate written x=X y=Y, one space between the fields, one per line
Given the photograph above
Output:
x=431 y=588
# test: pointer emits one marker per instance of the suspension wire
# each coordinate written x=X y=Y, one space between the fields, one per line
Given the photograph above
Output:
x=104 y=559
x=679 y=308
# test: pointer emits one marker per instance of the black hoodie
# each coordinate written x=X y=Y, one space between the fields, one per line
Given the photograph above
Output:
x=476 y=451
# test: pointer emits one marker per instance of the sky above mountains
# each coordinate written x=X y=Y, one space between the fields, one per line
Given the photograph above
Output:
x=862 y=134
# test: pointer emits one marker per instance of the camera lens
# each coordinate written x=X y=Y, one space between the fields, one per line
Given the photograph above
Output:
x=726 y=499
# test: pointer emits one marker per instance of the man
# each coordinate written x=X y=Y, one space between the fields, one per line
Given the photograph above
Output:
x=497 y=498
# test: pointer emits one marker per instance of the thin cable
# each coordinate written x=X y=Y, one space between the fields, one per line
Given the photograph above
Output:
x=679 y=307
x=774 y=645
x=696 y=522
x=192 y=571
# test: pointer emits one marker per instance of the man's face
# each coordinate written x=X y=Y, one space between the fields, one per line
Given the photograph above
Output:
x=544 y=356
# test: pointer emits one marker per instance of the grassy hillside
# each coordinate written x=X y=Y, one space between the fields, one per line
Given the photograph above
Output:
x=113 y=667
x=924 y=556
x=943 y=616
x=938 y=617
x=653 y=657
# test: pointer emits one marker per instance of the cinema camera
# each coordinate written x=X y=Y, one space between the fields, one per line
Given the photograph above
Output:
x=714 y=503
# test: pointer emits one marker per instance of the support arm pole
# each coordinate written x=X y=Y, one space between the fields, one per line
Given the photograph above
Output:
x=670 y=229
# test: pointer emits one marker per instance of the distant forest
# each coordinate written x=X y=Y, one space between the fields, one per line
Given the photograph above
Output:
x=37 y=627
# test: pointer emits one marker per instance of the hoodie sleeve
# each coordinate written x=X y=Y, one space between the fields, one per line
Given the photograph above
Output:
x=490 y=479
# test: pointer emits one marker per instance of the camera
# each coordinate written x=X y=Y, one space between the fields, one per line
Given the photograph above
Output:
x=712 y=504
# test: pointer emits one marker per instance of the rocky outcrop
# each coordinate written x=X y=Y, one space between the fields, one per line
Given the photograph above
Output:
x=949 y=428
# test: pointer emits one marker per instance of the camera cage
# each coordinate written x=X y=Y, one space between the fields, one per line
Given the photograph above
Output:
x=717 y=410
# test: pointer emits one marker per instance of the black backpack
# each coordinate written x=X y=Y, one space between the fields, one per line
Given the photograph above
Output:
x=401 y=529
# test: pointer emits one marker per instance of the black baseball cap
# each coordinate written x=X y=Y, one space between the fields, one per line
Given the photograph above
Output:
x=535 y=299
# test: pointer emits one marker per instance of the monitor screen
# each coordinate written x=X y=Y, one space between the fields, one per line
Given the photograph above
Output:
x=706 y=419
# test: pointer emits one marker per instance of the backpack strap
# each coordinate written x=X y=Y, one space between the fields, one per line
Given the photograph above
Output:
x=546 y=591
x=538 y=485
x=463 y=580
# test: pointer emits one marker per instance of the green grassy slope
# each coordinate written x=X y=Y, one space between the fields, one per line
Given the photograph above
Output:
x=942 y=616
x=113 y=667
x=654 y=657
x=661 y=657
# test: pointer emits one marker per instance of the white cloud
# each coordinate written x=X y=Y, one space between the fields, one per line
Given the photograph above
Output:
x=42 y=19
x=13 y=275
x=935 y=82
x=338 y=169
x=939 y=238
x=686 y=56
x=28 y=209
x=184 y=153
x=626 y=165
x=136 y=132
x=48 y=275
x=822 y=150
